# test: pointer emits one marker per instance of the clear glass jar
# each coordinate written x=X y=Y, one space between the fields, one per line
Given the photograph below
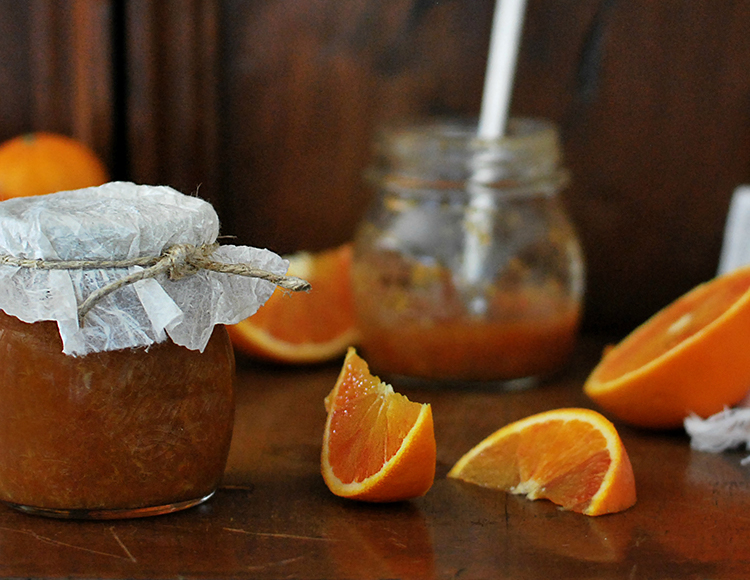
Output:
x=467 y=268
x=116 y=370
x=116 y=434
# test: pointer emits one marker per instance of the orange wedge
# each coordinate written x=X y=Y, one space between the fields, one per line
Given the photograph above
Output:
x=305 y=328
x=378 y=446
x=691 y=357
x=572 y=457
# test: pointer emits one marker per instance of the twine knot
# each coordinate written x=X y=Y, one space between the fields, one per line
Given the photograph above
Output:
x=180 y=260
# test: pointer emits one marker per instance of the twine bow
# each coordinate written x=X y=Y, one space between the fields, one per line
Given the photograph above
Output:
x=178 y=261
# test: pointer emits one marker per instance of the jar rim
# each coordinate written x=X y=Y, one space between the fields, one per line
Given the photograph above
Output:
x=523 y=133
x=450 y=150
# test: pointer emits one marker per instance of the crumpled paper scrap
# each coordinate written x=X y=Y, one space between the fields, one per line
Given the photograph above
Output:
x=729 y=429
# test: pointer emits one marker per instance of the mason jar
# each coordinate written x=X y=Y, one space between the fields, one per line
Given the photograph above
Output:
x=466 y=267
x=116 y=369
x=116 y=434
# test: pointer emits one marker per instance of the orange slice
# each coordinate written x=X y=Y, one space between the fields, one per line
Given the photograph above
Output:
x=691 y=357
x=378 y=446
x=572 y=457
x=305 y=328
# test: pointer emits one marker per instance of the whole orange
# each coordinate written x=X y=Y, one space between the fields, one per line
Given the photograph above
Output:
x=41 y=163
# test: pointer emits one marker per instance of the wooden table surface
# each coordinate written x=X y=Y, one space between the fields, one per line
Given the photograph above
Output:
x=277 y=519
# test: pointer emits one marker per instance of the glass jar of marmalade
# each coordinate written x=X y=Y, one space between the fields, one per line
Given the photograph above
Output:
x=122 y=433
x=128 y=410
x=467 y=268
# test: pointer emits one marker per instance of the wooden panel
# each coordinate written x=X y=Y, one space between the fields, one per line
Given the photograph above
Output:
x=15 y=70
x=57 y=71
x=308 y=82
x=656 y=125
x=172 y=107
x=269 y=108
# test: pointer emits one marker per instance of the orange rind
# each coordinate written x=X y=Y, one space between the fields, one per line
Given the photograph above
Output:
x=42 y=163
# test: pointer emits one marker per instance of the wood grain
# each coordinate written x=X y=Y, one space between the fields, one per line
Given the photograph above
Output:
x=276 y=519
x=172 y=106
x=57 y=70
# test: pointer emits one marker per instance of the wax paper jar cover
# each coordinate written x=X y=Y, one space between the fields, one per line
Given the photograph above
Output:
x=467 y=268
x=123 y=408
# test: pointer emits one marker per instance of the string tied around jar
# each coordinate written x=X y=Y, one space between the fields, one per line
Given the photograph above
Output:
x=177 y=261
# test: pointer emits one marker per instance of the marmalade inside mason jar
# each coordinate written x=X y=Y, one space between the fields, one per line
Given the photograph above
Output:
x=414 y=323
x=124 y=433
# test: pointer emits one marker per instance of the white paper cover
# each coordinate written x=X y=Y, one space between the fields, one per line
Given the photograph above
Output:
x=118 y=221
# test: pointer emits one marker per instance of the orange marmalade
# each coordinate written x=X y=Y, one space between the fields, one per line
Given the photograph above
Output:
x=472 y=350
x=122 y=433
x=525 y=334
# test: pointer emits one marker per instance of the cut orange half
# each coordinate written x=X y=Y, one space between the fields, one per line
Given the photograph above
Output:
x=691 y=357
x=378 y=446
x=306 y=327
x=572 y=457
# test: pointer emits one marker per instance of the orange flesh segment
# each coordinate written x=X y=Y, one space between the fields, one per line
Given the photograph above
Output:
x=689 y=358
x=307 y=325
x=363 y=452
x=378 y=446
x=571 y=479
x=676 y=324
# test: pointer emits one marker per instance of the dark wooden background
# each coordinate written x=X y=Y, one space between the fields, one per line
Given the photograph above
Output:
x=268 y=107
